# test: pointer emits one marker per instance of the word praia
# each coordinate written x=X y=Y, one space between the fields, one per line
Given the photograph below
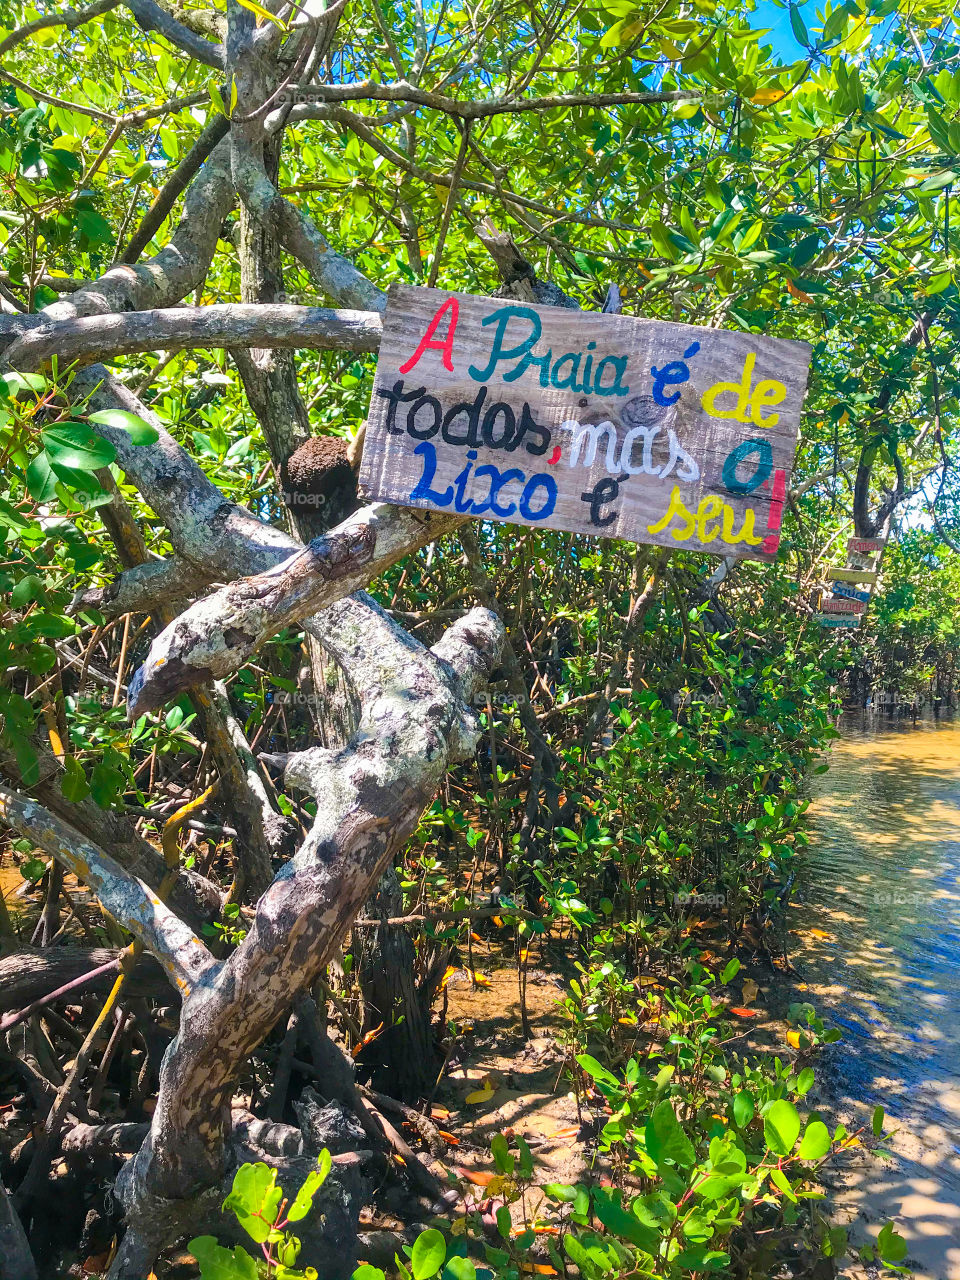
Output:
x=574 y=371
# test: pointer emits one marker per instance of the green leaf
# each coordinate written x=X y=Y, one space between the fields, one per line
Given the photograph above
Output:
x=596 y=1069
x=892 y=1246
x=781 y=1127
x=73 y=444
x=427 y=1255
x=74 y=783
x=816 y=1141
x=217 y=1263
x=314 y=1180
x=743 y=1109
x=877 y=1122
x=366 y=1272
x=798 y=26
x=457 y=1269
x=41 y=479
x=501 y=1154
x=805 y=1081
x=255 y=1199
x=780 y=1179
x=665 y=1139
x=613 y=1215
x=730 y=972
x=139 y=431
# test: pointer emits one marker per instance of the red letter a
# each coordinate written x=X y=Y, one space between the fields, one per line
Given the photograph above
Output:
x=427 y=343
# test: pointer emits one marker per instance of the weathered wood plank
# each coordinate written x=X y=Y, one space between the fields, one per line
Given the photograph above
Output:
x=836 y=605
x=602 y=424
x=850 y=593
x=837 y=574
x=836 y=620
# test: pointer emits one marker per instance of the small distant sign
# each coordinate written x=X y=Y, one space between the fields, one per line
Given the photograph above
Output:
x=596 y=423
x=852 y=575
x=837 y=605
x=836 y=620
x=850 y=593
x=865 y=545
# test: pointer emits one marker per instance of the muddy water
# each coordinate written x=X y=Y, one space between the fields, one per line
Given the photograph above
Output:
x=884 y=884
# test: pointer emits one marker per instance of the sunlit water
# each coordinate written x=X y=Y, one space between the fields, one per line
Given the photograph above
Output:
x=884 y=882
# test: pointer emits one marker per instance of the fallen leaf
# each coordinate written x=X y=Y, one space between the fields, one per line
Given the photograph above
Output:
x=480 y=979
x=819 y=933
x=498 y=922
x=447 y=975
x=546 y=1231
x=629 y=1021
x=476 y=937
x=571 y=1131
x=750 y=991
x=449 y=1138
x=739 y=1012
x=793 y=1038
x=481 y=1095
x=439 y=1113
x=458 y=1226
x=371 y=1035
x=537 y=1269
x=479 y=1177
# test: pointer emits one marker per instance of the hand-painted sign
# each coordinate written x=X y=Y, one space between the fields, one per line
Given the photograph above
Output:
x=835 y=605
x=836 y=620
x=603 y=424
x=850 y=593
x=852 y=575
x=865 y=545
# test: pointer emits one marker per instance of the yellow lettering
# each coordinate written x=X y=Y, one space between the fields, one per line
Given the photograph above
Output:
x=746 y=529
x=676 y=508
x=750 y=403
x=710 y=508
x=767 y=393
x=740 y=389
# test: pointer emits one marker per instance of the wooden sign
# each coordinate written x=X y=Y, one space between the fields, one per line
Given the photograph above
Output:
x=852 y=575
x=836 y=620
x=836 y=605
x=865 y=545
x=602 y=424
x=850 y=593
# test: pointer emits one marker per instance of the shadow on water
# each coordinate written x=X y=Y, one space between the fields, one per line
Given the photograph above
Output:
x=883 y=881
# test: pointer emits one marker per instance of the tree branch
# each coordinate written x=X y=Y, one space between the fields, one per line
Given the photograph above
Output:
x=214 y=637
x=184 y=958
x=231 y=324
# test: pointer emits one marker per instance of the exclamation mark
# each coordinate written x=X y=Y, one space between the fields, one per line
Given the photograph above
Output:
x=772 y=541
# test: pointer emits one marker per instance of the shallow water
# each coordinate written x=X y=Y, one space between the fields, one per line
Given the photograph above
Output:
x=884 y=883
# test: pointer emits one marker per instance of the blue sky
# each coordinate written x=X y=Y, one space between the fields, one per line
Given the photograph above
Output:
x=781 y=36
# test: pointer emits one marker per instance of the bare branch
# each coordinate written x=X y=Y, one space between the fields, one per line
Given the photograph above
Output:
x=218 y=634
x=464 y=109
x=96 y=337
x=183 y=956
x=174 y=186
x=71 y=19
x=151 y=17
x=177 y=268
